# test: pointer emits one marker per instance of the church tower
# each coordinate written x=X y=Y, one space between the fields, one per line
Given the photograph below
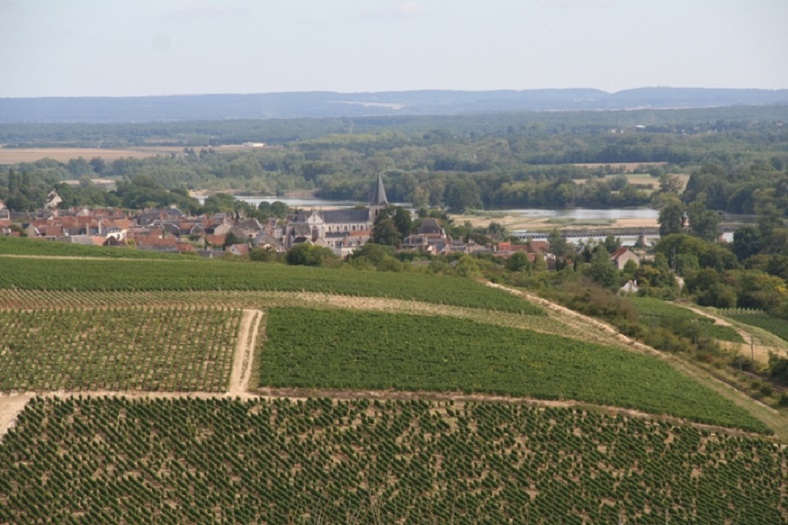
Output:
x=378 y=201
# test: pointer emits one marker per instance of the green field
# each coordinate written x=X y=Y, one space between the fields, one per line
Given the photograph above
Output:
x=778 y=327
x=657 y=312
x=195 y=274
x=177 y=461
x=148 y=349
x=46 y=248
x=366 y=350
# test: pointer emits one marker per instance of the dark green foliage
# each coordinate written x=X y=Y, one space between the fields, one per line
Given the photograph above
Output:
x=670 y=217
x=308 y=254
x=601 y=270
x=364 y=350
x=144 y=191
x=198 y=274
x=703 y=223
x=338 y=462
x=778 y=368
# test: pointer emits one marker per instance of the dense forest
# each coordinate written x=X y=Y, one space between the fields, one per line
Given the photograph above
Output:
x=735 y=157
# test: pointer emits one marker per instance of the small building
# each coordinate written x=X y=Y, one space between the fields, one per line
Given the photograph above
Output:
x=631 y=287
x=620 y=257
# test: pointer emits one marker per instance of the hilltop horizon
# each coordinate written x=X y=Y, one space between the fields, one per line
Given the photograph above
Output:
x=332 y=104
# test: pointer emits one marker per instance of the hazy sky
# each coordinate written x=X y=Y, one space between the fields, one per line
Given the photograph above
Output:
x=154 y=47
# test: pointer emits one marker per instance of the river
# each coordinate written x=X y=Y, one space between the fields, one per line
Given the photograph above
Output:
x=569 y=213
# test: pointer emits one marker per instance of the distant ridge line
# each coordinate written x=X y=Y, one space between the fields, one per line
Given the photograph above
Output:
x=319 y=104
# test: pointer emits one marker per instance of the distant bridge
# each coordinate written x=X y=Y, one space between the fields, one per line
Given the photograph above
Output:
x=569 y=233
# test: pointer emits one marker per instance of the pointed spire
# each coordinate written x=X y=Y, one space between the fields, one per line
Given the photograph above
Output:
x=379 y=193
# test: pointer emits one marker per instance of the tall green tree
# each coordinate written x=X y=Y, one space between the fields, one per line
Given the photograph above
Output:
x=558 y=245
x=670 y=216
x=601 y=270
x=703 y=223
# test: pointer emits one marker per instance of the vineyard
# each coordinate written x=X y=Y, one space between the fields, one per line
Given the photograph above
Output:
x=778 y=327
x=46 y=248
x=369 y=350
x=187 y=274
x=657 y=312
x=116 y=348
x=113 y=460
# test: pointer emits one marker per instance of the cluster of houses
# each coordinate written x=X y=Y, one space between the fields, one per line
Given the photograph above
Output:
x=170 y=230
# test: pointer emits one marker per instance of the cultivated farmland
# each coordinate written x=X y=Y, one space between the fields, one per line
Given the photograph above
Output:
x=774 y=325
x=365 y=350
x=19 y=155
x=145 y=349
x=503 y=422
x=323 y=461
x=662 y=313
x=92 y=274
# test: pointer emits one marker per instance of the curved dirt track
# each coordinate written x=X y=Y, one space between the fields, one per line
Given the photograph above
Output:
x=760 y=353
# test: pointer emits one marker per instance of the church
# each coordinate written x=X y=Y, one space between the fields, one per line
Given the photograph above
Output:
x=342 y=230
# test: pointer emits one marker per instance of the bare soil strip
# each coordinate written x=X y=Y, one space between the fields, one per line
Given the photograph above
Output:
x=10 y=407
x=244 y=352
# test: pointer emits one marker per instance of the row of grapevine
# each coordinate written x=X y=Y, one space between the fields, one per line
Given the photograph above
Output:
x=118 y=348
x=775 y=325
x=657 y=312
x=99 y=460
x=188 y=274
x=368 y=350
x=46 y=248
x=21 y=299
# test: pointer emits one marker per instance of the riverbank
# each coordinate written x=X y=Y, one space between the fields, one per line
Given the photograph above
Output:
x=514 y=220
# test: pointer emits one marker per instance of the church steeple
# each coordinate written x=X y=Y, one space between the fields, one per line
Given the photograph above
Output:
x=379 y=194
x=378 y=201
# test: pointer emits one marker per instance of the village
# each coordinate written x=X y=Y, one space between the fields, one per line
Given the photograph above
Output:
x=170 y=230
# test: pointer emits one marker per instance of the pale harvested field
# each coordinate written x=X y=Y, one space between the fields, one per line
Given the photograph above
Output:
x=644 y=179
x=628 y=167
x=17 y=155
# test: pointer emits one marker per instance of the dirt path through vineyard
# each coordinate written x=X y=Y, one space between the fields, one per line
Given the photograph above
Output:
x=244 y=353
x=747 y=349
